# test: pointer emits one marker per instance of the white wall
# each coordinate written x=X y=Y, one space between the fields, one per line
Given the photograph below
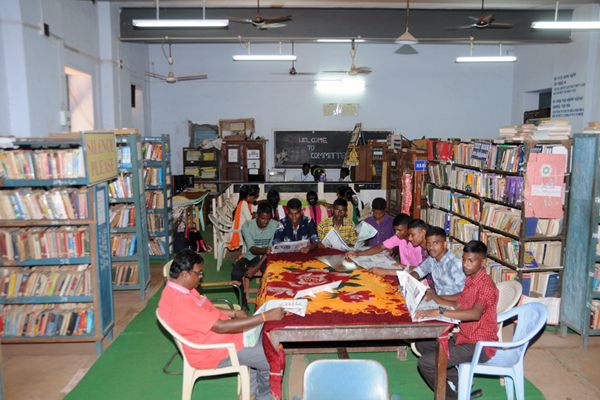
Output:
x=425 y=94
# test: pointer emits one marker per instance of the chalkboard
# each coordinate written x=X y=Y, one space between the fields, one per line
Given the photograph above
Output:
x=323 y=148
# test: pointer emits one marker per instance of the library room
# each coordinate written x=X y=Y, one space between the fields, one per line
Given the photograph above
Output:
x=385 y=199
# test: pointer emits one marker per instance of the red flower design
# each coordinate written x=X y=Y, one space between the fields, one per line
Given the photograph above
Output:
x=355 y=297
x=313 y=277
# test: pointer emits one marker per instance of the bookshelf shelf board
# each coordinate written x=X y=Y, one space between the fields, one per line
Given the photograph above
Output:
x=129 y=229
x=44 y=222
x=594 y=332
x=500 y=232
x=153 y=163
x=544 y=238
x=488 y=170
x=155 y=210
x=121 y=200
x=43 y=182
x=124 y=259
x=48 y=261
x=44 y=142
x=597 y=259
x=158 y=257
x=541 y=268
x=505 y=263
x=153 y=187
x=49 y=339
x=157 y=234
x=471 y=220
x=135 y=286
x=483 y=198
x=125 y=170
x=596 y=295
x=47 y=299
x=457 y=239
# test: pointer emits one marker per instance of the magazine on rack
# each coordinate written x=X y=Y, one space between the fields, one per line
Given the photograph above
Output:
x=413 y=292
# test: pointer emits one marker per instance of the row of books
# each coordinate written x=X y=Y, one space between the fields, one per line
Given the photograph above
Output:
x=152 y=151
x=157 y=246
x=125 y=273
x=553 y=129
x=73 y=280
x=47 y=320
x=466 y=206
x=440 y=198
x=154 y=199
x=124 y=157
x=501 y=247
x=438 y=173
x=42 y=164
x=27 y=204
x=596 y=278
x=18 y=244
x=502 y=218
x=123 y=244
x=156 y=222
x=463 y=230
x=595 y=314
x=493 y=186
x=545 y=253
x=122 y=216
x=544 y=284
x=153 y=176
x=121 y=188
x=438 y=218
x=542 y=227
x=439 y=150
x=488 y=155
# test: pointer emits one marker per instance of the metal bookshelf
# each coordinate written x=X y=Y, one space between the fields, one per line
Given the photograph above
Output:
x=163 y=238
x=580 y=254
x=98 y=321
x=133 y=168
x=521 y=238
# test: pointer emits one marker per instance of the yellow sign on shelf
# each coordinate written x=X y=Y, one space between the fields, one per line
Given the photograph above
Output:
x=100 y=155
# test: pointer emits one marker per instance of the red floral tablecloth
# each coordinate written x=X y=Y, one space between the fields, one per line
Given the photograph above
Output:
x=361 y=298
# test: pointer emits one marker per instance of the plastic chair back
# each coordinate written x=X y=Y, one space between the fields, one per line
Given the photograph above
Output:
x=509 y=293
x=345 y=379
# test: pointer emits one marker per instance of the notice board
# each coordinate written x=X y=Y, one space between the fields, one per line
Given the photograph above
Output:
x=323 y=148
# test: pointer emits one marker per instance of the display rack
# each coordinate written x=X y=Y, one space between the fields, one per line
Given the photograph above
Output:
x=371 y=165
x=159 y=203
x=578 y=310
x=54 y=239
x=476 y=191
x=131 y=266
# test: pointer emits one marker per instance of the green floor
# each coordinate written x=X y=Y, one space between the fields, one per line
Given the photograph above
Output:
x=131 y=367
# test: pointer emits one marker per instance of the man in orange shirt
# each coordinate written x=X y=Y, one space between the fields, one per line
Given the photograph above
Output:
x=195 y=318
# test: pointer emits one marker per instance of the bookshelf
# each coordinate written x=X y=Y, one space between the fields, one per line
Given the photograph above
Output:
x=579 y=310
x=243 y=160
x=159 y=203
x=130 y=263
x=478 y=189
x=371 y=165
x=55 y=267
x=202 y=164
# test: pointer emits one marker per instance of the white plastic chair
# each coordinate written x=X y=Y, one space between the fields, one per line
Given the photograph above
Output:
x=191 y=374
x=345 y=380
x=509 y=293
x=508 y=361
x=222 y=236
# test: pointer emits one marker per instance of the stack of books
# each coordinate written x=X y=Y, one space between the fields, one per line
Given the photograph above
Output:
x=593 y=127
x=517 y=132
x=554 y=129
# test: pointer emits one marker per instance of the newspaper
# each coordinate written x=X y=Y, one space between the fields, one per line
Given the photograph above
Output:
x=333 y=240
x=295 y=306
x=413 y=292
x=380 y=260
x=364 y=231
x=289 y=247
x=312 y=291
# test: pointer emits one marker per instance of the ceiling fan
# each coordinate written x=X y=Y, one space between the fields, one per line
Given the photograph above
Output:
x=354 y=70
x=292 y=71
x=171 y=78
x=486 y=21
x=261 y=22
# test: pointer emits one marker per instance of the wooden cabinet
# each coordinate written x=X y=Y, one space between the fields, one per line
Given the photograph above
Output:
x=243 y=161
x=398 y=163
x=371 y=164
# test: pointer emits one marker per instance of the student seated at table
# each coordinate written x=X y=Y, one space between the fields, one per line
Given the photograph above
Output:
x=346 y=193
x=258 y=235
x=340 y=222
x=242 y=214
x=295 y=227
x=475 y=306
x=315 y=210
x=409 y=255
x=273 y=199
x=381 y=221
x=305 y=175
x=345 y=174
x=195 y=318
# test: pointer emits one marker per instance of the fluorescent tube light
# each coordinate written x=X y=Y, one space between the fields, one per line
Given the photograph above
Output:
x=180 y=23
x=264 y=57
x=573 y=25
x=340 y=40
x=344 y=86
x=486 y=59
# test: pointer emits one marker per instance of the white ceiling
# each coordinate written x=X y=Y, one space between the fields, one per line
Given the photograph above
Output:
x=417 y=4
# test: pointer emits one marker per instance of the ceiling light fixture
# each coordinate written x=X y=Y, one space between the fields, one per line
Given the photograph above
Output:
x=485 y=59
x=263 y=57
x=340 y=40
x=407 y=37
x=180 y=23
x=344 y=86
x=570 y=25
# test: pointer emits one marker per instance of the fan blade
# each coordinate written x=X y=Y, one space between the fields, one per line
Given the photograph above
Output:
x=473 y=18
x=500 y=25
x=157 y=76
x=241 y=20
x=462 y=27
x=191 y=77
x=306 y=73
x=336 y=72
x=280 y=18
x=264 y=26
x=363 y=70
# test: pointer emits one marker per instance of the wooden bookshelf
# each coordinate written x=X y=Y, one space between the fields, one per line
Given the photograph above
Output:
x=484 y=199
x=130 y=264
x=68 y=283
x=157 y=157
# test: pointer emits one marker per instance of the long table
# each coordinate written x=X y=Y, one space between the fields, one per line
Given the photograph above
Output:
x=365 y=307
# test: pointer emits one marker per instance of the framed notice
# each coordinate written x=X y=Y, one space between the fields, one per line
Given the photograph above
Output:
x=254 y=164
x=253 y=154
x=233 y=155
